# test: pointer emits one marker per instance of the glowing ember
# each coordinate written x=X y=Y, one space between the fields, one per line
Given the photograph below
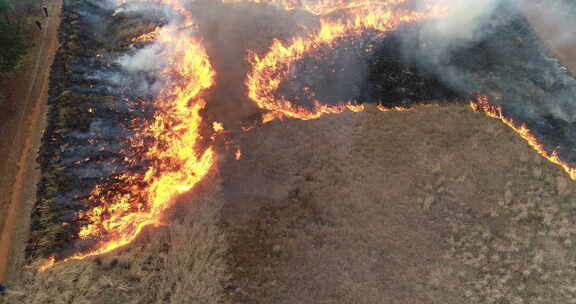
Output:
x=482 y=105
x=271 y=70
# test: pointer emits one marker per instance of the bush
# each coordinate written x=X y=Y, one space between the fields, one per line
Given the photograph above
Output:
x=12 y=37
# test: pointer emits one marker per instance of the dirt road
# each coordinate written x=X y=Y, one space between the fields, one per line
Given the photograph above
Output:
x=21 y=122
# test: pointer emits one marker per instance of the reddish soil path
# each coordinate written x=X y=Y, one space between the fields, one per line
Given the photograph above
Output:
x=21 y=123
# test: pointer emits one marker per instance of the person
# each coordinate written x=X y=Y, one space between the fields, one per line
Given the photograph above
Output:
x=39 y=25
x=45 y=11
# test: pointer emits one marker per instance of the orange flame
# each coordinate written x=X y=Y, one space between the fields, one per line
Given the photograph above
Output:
x=148 y=36
x=396 y=108
x=176 y=160
x=217 y=127
x=272 y=69
x=238 y=154
x=482 y=105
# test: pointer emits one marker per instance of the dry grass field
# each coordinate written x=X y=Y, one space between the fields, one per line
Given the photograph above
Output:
x=434 y=205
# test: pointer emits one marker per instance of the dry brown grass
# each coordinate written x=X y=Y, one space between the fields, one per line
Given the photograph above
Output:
x=436 y=205
x=181 y=263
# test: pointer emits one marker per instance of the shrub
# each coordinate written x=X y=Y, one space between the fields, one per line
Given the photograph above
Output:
x=12 y=37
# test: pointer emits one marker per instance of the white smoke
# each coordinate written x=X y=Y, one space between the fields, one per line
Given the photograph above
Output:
x=154 y=57
x=464 y=21
x=556 y=21
x=469 y=21
x=148 y=9
x=148 y=59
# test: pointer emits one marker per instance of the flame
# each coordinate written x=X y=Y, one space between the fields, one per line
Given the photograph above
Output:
x=238 y=153
x=482 y=105
x=177 y=162
x=169 y=145
x=271 y=116
x=383 y=108
x=217 y=127
x=148 y=36
x=269 y=71
x=48 y=263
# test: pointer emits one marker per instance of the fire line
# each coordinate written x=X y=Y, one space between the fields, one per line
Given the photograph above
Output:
x=272 y=69
x=482 y=105
x=177 y=161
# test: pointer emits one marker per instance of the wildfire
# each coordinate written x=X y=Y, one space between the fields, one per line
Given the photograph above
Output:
x=176 y=160
x=177 y=157
x=482 y=105
x=169 y=145
x=269 y=71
